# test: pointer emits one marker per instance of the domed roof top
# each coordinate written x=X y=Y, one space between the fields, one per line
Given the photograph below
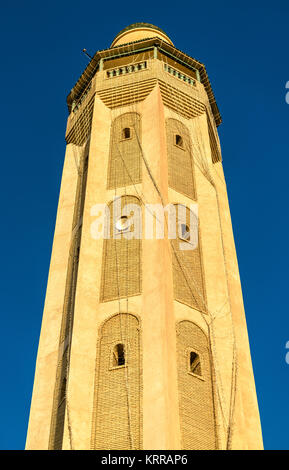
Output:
x=138 y=31
x=140 y=25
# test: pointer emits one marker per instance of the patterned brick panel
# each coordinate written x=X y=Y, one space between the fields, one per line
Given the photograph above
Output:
x=188 y=271
x=117 y=422
x=125 y=154
x=121 y=263
x=196 y=404
x=180 y=162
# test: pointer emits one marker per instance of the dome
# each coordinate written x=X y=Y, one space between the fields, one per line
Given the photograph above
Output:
x=138 y=31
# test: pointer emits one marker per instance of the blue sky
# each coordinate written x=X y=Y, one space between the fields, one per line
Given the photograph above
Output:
x=245 y=49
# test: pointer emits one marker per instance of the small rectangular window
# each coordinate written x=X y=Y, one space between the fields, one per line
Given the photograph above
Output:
x=126 y=134
x=179 y=141
x=118 y=358
x=195 y=364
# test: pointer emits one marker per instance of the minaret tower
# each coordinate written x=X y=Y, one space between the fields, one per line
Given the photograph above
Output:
x=143 y=342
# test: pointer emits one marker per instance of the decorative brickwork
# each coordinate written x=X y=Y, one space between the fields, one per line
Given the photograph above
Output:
x=125 y=155
x=177 y=100
x=196 y=403
x=80 y=130
x=180 y=102
x=188 y=272
x=126 y=94
x=180 y=162
x=117 y=417
x=121 y=262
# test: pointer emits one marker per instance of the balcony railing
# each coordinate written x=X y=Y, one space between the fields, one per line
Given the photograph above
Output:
x=126 y=69
x=185 y=78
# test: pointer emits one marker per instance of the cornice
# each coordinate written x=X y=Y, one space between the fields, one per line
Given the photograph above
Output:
x=134 y=47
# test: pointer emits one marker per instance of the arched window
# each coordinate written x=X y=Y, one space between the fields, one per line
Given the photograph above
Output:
x=185 y=232
x=179 y=141
x=126 y=134
x=195 y=364
x=124 y=166
x=118 y=355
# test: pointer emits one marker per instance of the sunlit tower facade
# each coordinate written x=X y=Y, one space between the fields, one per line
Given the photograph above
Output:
x=143 y=344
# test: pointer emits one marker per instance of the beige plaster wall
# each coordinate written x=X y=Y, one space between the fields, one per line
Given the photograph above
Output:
x=47 y=357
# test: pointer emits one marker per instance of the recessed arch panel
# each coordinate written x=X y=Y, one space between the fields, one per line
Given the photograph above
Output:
x=188 y=279
x=196 y=401
x=180 y=162
x=121 y=260
x=117 y=417
x=125 y=154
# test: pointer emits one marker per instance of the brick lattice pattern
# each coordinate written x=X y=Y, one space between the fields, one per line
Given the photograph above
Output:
x=117 y=413
x=125 y=154
x=121 y=261
x=82 y=126
x=196 y=404
x=180 y=162
x=188 y=273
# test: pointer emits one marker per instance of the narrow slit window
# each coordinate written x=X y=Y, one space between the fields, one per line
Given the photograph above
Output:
x=195 y=364
x=118 y=355
x=179 y=141
x=126 y=134
x=185 y=232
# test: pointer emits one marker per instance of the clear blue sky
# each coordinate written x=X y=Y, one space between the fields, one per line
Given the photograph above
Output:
x=245 y=48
